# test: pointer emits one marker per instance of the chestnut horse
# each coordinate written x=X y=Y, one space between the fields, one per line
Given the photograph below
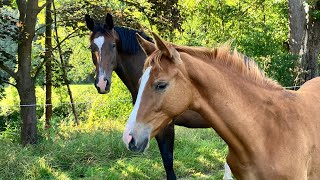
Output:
x=272 y=133
x=117 y=49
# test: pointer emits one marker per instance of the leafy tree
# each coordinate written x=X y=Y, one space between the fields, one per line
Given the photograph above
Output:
x=23 y=74
x=8 y=43
x=164 y=15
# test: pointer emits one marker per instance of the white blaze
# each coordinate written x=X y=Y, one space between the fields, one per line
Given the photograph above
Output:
x=133 y=116
x=99 y=42
x=101 y=83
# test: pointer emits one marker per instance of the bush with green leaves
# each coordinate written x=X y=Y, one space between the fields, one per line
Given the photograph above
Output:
x=281 y=67
x=8 y=42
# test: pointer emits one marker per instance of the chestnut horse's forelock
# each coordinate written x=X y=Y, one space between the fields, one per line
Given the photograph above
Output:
x=153 y=60
x=223 y=55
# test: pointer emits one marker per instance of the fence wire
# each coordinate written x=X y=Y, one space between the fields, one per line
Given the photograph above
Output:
x=108 y=103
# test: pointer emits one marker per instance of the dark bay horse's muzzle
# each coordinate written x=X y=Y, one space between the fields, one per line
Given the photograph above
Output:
x=102 y=84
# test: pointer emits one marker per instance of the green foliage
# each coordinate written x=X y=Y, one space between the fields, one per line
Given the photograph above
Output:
x=281 y=67
x=8 y=43
x=258 y=29
x=8 y=34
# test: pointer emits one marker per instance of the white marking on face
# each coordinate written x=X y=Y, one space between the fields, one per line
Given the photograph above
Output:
x=133 y=116
x=99 y=42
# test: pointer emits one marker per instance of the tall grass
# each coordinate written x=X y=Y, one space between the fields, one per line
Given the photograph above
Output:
x=94 y=149
x=96 y=152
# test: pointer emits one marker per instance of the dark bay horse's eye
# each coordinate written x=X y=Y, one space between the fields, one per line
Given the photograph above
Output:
x=160 y=86
x=114 y=45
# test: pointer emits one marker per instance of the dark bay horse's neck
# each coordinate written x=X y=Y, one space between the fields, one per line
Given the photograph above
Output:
x=129 y=69
x=233 y=106
x=130 y=59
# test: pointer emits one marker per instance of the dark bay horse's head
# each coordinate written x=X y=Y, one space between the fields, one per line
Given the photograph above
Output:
x=103 y=40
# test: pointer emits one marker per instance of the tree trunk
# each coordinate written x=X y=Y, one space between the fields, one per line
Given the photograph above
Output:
x=310 y=58
x=63 y=67
x=25 y=83
x=48 y=57
x=297 y=27
x=26 y=90
x=304 y=38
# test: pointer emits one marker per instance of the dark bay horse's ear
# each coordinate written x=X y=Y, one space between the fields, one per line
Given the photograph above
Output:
x=147 y=46
x=166 y=49
x=109 y=21
x=89 y=22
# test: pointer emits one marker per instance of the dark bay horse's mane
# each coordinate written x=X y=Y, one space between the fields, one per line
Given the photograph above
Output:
x=223 y=55
x=128 y=42
x=128 y=39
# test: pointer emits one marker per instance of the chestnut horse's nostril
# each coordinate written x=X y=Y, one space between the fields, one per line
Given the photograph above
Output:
x=138 y=148
x=132 y=145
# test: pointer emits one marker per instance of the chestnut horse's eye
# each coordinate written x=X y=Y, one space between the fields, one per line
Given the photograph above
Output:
x=160 y=86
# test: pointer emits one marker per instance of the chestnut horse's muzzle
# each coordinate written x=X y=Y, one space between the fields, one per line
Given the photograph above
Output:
x=138 y=147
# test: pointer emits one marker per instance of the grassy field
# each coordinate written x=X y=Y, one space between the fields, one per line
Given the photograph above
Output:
x=94 y=149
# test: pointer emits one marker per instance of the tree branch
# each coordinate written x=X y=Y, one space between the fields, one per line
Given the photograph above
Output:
x=40 y=67
x=8 y=70
x=22 y=6
x=44 y=5
x=64 y=39
x=7 y=82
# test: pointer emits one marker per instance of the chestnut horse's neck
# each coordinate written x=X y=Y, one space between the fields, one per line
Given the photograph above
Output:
x=236 y=106
x=130 y=59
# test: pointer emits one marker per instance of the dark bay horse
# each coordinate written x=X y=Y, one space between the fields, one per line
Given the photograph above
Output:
x=117 y=49
x=272 y=133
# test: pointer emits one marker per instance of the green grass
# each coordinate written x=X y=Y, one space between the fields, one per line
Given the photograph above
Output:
x=94 y=149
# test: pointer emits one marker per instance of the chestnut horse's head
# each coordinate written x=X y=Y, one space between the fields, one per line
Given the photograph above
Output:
x=165 y=92
x=103 y=41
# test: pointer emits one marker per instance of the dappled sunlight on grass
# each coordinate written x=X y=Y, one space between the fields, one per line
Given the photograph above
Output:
x=96 y=151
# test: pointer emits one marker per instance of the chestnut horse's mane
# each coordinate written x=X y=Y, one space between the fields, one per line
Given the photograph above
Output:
x=223 y=55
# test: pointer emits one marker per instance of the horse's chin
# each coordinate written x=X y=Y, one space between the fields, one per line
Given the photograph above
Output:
x=138 y=147
x=104 y=92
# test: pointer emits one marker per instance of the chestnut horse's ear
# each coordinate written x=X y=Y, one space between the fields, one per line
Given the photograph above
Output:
x=166 y=48
x=89 y=22
x=148 y=47
x=109 y=21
